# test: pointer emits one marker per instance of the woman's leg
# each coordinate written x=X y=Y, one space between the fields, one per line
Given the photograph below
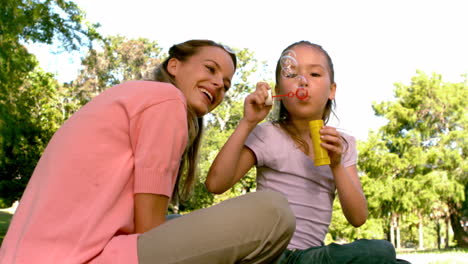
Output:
x=253 y=228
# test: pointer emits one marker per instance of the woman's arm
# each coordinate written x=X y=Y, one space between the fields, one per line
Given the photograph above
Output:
x=150 y=211
x=234 y=159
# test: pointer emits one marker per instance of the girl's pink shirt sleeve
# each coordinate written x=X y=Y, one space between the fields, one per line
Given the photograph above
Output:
x=78 y=206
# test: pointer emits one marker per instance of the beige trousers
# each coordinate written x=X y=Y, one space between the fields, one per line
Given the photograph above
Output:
x=253 y=228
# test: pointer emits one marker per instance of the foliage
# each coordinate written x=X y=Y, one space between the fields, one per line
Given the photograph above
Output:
x=5 y=219
x=37 y=21
x=28 y=95
x=116 y=59
x=419 y=157
x=27 y=128
x=341 y=231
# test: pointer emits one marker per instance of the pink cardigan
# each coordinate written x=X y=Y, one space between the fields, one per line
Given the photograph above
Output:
x=78 y=206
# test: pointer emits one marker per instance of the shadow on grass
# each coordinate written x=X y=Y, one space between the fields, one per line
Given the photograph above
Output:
x=5 y=219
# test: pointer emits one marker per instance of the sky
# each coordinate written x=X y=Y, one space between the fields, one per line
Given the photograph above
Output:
x=373 y=44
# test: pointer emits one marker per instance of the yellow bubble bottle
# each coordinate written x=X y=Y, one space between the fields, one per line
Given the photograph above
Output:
x=320 y=154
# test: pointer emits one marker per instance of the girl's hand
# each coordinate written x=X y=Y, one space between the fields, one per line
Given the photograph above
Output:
x=255 y=109
x=333 y=143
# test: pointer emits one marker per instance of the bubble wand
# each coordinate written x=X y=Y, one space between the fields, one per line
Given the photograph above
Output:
x=300 y=93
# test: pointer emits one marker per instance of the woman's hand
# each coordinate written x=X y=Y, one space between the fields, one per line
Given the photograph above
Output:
x=333 y=143
x=255 y=109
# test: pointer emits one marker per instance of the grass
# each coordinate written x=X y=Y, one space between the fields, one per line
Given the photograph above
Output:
x=430 y=256
x=435 y=256
x=5 y=219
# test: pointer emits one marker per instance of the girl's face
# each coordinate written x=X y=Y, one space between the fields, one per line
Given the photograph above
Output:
x=204 y=78
x=313 y=65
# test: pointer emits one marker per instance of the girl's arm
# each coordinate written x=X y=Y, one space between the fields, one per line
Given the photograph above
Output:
x=234 y=159
x=232 y=162
x=352 y=199
x=150 y=211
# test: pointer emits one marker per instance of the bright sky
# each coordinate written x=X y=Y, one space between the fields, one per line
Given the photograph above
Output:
x=373 y=43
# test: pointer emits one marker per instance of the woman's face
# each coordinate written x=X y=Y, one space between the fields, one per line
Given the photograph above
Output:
x=313 y=66
x=204 y=78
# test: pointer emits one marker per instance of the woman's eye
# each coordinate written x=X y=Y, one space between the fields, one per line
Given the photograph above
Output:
x=210 y=68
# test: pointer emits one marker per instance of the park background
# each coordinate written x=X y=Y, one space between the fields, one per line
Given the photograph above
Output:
x=401 y=69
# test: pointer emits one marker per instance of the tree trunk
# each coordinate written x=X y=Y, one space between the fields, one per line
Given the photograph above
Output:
x=421 y=233
x=459 y=234
x=397 y=225
x=175 y=203
x=447 y=235
x=438 y=233
x=392 y=230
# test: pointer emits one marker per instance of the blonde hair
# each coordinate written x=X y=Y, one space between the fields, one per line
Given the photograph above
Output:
x=188 y=164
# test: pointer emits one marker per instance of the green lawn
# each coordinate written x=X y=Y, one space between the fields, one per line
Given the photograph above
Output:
x=434 y=256
x=4 y=223
x=444 y=256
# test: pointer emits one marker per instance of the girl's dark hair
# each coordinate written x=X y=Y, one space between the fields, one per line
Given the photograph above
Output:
x=188 y=164
x=283 y=117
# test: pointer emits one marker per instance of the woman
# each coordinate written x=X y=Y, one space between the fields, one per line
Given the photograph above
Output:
x=100 y=192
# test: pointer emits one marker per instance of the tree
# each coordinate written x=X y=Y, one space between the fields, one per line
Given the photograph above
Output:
x=419 y=156
x=37 y=21
x=27 y=129
x=22 y=132
x=117 y=59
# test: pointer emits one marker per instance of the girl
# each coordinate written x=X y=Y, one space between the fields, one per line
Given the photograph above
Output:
x=282 y=153
x=100 y=191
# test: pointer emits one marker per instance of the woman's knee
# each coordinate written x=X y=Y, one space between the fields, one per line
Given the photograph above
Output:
x=274 y=207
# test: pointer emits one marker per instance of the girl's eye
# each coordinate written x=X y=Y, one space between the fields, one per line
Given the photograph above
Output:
x=314 y=74
x=291 y=75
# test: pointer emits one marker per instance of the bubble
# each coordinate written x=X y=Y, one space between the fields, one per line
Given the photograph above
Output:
x=288 y=66
x=288 y=61
x=290 y=53
x=301 y=81
x=289 y=69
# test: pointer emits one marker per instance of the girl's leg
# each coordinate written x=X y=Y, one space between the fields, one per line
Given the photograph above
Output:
x=361 y=251
x=253 y=228
x=172 y=216
x=310 y=256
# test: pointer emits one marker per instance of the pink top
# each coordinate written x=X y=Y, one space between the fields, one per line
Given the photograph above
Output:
x=78 y=206
x=310 y=190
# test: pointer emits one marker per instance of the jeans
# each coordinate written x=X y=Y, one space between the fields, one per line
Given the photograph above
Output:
x=360 y=251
